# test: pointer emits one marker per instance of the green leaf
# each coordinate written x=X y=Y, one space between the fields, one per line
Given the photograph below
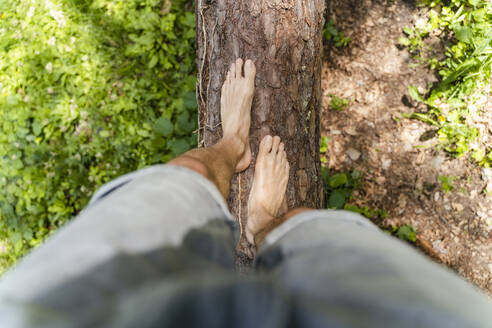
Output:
x=153 y=61
x=414 y=93
x=463 y=33
x=12 y=100
x=407 y=233
x=338 y=180
x=179 y=146
x=324 y=144
x=337 y=200
x=325 y=174
x=404 y=41
x=184 y=124
x=36 y=128
x=27 y=234
x=104 y=133
x=163 y=126
x=189 y=100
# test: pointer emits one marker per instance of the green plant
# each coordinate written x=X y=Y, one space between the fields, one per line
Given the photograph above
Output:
x=338 y=104
x=406 y=233
x=89 y=90
x=414 y=39
x=331 y=33
x=339 y=188
x=371 y=213
x=323 y=148
x=465 y=72
x=446 y=182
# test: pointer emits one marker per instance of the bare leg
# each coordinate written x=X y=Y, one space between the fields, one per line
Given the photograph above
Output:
x=294 y=212
x=268 y=190
x=232 y=153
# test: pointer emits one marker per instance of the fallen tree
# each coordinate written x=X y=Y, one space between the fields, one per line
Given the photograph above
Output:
x=283 y=38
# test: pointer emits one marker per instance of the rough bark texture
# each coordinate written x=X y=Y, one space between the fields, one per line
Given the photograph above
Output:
x=283 y=38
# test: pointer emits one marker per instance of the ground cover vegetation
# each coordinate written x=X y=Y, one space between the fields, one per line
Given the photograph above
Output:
x=93 y=89
x=456 y=102
x=89 y=90
x=339 y=190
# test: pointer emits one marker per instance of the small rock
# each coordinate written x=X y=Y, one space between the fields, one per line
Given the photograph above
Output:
x=437 y=162
x=489 y=187
x=487 y=173
x=437 y=245
x=380 y=180
x=402 y=201
x=436 y=196
x=351 y=131
x=386 y=163
x=354 y=154
x=447 y=207
x=407 y=147
x=458 y=207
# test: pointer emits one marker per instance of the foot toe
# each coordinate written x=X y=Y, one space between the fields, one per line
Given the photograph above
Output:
x=281 y=148
x=228 y=76
x=239 y=68
x=275 y=144
x=249 y=70
x=232 y=72
x=265 y=145
x=282 y=156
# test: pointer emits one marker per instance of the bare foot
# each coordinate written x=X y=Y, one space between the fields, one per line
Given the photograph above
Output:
x=235 y=108
x=268 y=190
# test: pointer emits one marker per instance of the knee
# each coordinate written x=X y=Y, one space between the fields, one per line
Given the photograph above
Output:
x=193 y=164
x=294 y=212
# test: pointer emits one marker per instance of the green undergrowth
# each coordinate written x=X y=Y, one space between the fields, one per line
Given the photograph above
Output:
x=339 y=194
x=332 y=34
x=339 y=188
x=453 y=103
x=406 y=233
x=337 y=103
x=89 y=90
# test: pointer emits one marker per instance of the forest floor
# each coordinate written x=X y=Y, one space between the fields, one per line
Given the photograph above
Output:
x=370 y=135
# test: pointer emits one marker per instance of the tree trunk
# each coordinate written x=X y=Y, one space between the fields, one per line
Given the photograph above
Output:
x=283 y=38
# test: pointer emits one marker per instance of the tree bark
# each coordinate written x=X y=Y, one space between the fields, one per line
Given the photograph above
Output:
x=283 y=38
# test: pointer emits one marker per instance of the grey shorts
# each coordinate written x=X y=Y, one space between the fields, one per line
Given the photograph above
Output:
x=155 y=248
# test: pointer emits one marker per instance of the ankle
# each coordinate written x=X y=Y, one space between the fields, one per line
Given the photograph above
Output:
x=255 y=233
x=233 y=145
x=250 y=234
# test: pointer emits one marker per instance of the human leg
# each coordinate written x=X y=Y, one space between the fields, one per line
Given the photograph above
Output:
x=344 y=271
x=160 y=222
x=232 y=153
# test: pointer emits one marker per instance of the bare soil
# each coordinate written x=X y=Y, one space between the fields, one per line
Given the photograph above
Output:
x=400 y=175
